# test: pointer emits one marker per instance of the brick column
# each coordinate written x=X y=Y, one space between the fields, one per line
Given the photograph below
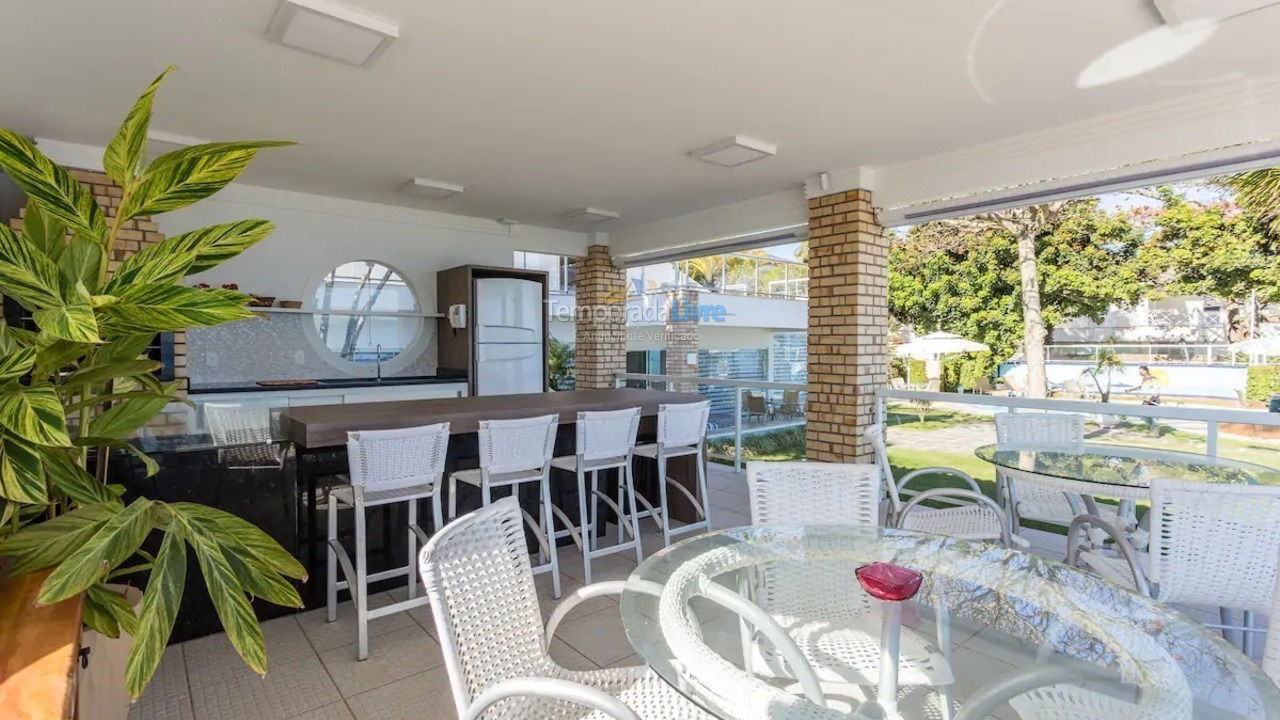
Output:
x=135 y=234
x=682 y=337
x=600 y=336
x=848 y=325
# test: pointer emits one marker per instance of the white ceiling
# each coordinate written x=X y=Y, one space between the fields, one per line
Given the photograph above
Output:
x=541 y=107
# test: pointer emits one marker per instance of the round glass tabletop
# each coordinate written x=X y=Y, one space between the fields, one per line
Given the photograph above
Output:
x=991 y=632
x=1127 y=466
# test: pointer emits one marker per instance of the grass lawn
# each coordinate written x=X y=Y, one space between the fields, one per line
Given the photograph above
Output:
x=934 y=418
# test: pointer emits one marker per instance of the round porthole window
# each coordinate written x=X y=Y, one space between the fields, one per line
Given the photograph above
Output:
x=365 y=312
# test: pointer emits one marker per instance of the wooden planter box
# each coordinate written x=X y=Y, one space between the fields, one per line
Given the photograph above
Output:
x=39 y=647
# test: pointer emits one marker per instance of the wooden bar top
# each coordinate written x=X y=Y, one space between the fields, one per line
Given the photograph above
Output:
x=320 y=426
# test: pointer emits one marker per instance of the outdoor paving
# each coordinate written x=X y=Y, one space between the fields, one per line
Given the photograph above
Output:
x=314 y=674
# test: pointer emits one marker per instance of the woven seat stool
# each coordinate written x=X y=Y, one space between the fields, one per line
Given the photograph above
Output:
x=387 y=467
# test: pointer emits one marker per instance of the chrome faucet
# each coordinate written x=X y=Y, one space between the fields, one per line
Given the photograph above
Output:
x=378 y=353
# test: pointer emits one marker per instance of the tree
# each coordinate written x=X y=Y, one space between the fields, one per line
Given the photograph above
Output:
x=1219 y=250
x=974 y=276
x=1258 y=192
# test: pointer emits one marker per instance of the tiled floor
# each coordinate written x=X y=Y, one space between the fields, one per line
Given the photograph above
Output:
x=314 y=674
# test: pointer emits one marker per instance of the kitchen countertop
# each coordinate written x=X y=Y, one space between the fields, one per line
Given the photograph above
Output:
x=330 y=383
x=318 y=426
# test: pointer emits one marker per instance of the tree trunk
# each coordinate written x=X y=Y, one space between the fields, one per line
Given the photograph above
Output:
x=1033 y=324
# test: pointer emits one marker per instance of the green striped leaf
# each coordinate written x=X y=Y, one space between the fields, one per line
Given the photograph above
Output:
x=101 y=373
x=157 y=307
x=165 y=585
x=45 y=544
x=16 y=362
x=234 y=610
x=189 y=253
x=118 y=538
x=216 y=244
x=231 y=529
x=108 y=612
x=123 y=418
x=34 y=414
x=44 y=231
x=67 y=477
x=182 y=177
x=21 y=473
x=53 y=187
x=81 y=262
x=123 y=157
x=73 y=322
x=26 y=273
x=152 y=264
x=124 y=348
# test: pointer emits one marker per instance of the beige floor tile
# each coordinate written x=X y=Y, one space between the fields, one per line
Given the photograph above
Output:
x=629 y=661
x=609 y=567
x=567 y=586
x=227 y=690
x=420 y=615
x=569 y=658
x=424 y=696
x=168 y=696
x=284 y=638
x=326 y=635
x=599 y=637
x=391 y=657
x=335 y=711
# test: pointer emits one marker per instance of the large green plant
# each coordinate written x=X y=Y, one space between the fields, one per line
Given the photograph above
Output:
x=80 y=381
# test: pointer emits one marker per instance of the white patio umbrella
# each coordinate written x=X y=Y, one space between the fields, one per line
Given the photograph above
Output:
x=1258 y=346
x=937 y=344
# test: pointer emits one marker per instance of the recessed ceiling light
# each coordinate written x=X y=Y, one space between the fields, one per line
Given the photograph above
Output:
x=333 y=30
x=433 y=189
x=735 y=151
x=592 y=215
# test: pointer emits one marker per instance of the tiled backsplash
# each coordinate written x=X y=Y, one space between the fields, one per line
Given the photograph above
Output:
x=277 y=347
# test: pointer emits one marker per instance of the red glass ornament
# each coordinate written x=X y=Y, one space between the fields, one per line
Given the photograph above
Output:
x=884 y=581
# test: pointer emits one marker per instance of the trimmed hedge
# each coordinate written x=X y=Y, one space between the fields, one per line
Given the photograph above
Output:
x=963 y=371
x=1263 y=380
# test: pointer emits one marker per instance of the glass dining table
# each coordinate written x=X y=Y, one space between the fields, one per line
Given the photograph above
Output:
x=745 y=623
x=1123 y=472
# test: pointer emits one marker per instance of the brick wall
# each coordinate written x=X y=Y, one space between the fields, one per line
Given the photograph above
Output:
x=600 y=336
x=682 y=337
x=134 y=235
x=848 y=325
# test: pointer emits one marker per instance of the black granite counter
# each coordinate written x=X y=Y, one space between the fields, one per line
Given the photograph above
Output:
x=442 y=377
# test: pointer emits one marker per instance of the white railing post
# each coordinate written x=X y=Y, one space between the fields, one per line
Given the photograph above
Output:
x=737 y=430
x=1211 y=439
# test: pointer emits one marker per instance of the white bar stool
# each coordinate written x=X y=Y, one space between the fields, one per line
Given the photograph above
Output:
x=682 y=431
x=513 y=452
x=605 y=442
x=387 y=466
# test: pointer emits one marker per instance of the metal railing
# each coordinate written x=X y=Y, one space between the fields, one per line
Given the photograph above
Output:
x=1206 y=353
x=667 y=381
x=1211 y=417
x=728 y=273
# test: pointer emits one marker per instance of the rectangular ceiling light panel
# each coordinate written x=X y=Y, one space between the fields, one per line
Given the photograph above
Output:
x=1176 y=12
x=593 y=215
x=735 y=151
x=333 y=30
x=432 y=188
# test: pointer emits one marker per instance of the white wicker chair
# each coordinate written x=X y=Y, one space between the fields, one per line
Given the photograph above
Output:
x=682 y=432
x=1027 y=501
x=841 y=640
x=243 y=432
x=512 y=453
x=1211 y=545
x=485 y=608
x=387 y=466
x=976 y=516
x=605 y=441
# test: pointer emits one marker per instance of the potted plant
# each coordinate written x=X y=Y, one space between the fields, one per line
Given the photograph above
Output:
x=1108 y=364
x=76 y=386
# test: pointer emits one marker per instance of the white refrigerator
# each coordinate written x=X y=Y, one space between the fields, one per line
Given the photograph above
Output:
x=509 y=335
